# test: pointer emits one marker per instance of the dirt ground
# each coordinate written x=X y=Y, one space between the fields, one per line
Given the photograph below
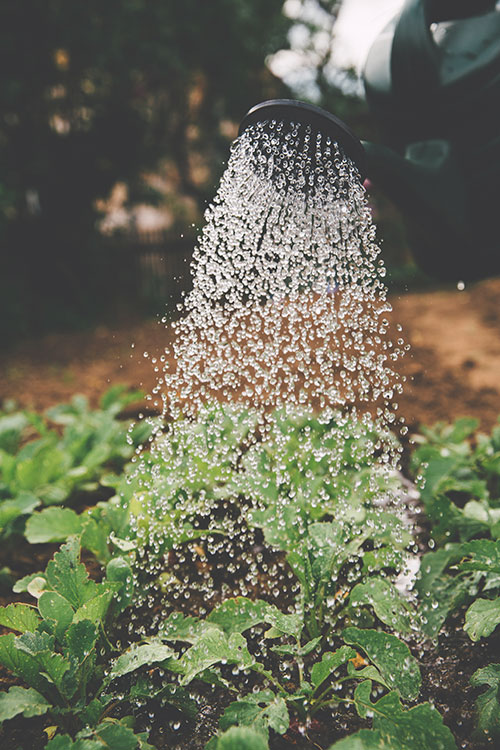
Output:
x=452 y=367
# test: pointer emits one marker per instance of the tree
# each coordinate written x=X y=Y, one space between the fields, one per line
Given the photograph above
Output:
x=94 y=92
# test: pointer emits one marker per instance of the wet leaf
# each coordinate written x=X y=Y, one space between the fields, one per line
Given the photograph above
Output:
x=22 y=664
x=114 y=735
x=68 y=576
x=179 y=627
x=212 y=647
x=482 y=618
x=488 y=703
x=392 y=658
x=240 y=738
x=40 y=647
x=297 y=650
x=20 y=617
x=94 y=609
x=258 y=711
x=64 y=742
x=366 y=739
x=418 y=728
x=137 y=656
x=366 y=673
x=55 y=607
x=331 y=661
x=387 y=603
x=52 y=525
x=481 y=554
x=239 y=614
x=80 y=640
x=94 y=537
x=19 y=700
x=119 y=571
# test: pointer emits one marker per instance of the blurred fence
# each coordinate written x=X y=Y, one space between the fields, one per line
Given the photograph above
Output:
x=158 y=264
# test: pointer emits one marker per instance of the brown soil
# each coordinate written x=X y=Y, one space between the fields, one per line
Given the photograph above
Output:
x=452 y=367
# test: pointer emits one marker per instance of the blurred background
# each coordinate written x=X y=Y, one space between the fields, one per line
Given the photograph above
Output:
x=117 y=118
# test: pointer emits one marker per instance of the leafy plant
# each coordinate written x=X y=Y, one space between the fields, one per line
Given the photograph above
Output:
x=455 y=576
x=394 y=727
x=62 y=648
x=50 y=469
x=460 y=477
x=488 y=703
x=316 y=681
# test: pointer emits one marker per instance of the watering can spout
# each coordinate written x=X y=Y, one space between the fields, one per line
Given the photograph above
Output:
x=427 y=187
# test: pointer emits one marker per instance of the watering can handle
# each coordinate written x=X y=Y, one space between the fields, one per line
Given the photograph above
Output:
x=414 y=56
x=452 y=10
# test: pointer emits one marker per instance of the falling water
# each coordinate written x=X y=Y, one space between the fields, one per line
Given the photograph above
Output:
x=288 y=306
x=288 y=315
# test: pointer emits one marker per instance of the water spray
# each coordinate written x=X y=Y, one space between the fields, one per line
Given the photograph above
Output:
x=310 y=119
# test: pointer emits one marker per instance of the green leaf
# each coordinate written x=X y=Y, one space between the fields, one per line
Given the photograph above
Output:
x=52 y=525
x=23 y=504
x=55 y=607
x=94 y=609
x=110 y=735
x=94 y=537
x=119 y=571
x=68 y=576
x=331 y=548
x=21 y=586
x=137 y=656
x=118 y=397
x=419 y=728
x=483 y=555
x=386 y=601
x=92 y=712
x=20 y=617
x=36 y=586
x=22 y=664
x=481 y=618
x=19 y=700
x=64 y=742
x=258 y=711
x=214 y=646
x=80 y=640
x=366 y=673
x=40 y=646
x=488 y=703
x=241 y=738
x=179 y=627
x=331 y=661
x=144 y=687
x=392 y=658
x=239 y=614
x=297 y=650
x=114 y=735
x=439 y=593
x=11 y=429
x=366 y=739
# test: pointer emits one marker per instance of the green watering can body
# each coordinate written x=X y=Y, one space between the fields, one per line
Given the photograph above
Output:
x=432 y=80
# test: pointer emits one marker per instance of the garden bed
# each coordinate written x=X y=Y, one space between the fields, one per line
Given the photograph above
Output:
x=287 y=630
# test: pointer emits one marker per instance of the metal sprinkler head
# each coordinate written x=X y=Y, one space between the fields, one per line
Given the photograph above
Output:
x=292 y=112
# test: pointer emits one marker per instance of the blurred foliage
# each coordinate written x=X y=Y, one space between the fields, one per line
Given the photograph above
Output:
x=94 y=92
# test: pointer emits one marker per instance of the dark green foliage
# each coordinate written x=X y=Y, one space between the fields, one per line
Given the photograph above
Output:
x=461 y=480
x=50 y=469
x=62 y=649
x=93 y=93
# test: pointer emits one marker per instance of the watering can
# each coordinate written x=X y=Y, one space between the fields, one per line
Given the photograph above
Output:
x=432 y=81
